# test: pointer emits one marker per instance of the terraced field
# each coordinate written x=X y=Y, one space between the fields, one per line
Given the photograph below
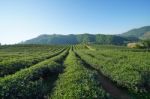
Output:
x=74 y=72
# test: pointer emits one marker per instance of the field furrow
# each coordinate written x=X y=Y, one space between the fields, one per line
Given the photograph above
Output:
x=128 y=70
x=33 y=82
x=84 y=71
x=10 y=67
x=107 y=84
x=77 y=82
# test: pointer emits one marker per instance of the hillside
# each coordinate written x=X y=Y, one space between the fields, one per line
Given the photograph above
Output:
x=146 y=35
x=75 y=39
x=140 y=33
x=130 y=36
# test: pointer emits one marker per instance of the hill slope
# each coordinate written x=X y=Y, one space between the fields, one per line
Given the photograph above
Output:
x=132 y=35
x=140 y=33
x=75 y=39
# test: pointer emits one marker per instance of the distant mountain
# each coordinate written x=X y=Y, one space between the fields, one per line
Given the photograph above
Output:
x=76 y=39
x=130 y=36
x=140 y=33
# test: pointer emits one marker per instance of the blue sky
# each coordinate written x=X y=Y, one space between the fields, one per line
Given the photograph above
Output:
x=24 y=19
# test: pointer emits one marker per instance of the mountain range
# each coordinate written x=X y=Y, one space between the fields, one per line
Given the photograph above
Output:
x=133 y=35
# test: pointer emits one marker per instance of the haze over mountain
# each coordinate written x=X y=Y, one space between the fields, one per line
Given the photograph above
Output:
x=130 y=36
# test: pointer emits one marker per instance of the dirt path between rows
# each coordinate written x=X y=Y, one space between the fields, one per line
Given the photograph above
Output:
x=107 y=84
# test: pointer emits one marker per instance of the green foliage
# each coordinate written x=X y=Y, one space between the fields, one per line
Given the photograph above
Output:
x=25 y=82
x=31 y=71
x=127 y=68
x=146 y=43
x=11 y=65
x=77 y=82
x=29 y=83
